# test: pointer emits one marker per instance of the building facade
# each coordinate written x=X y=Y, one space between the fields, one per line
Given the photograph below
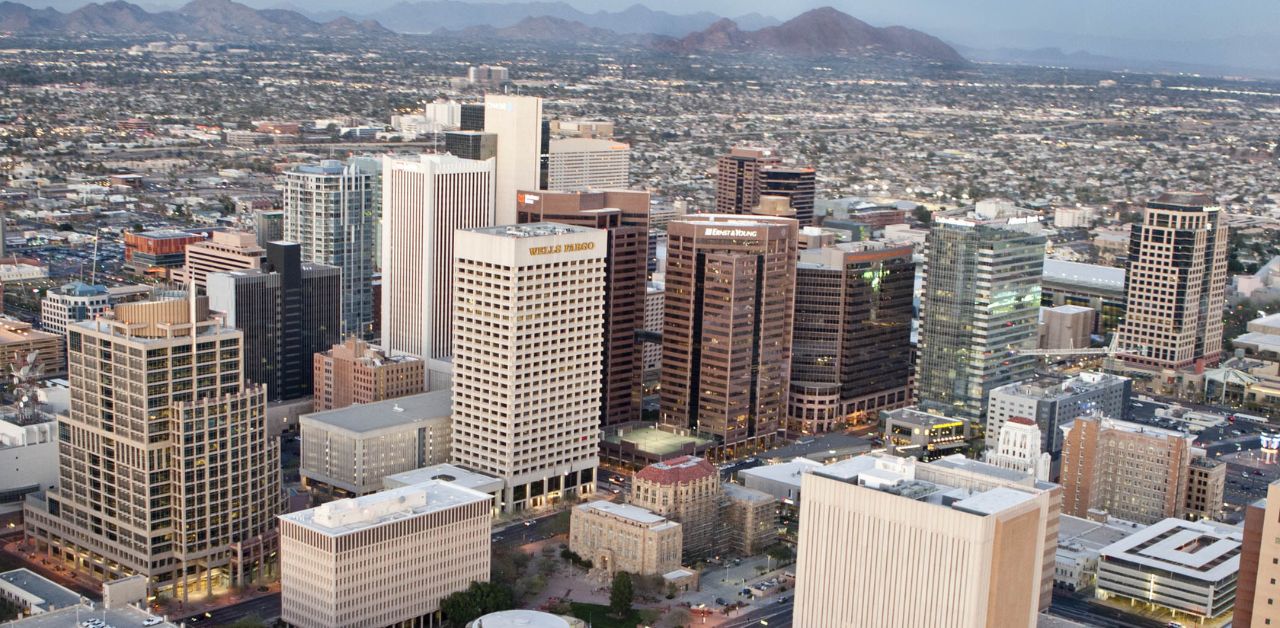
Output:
x=1019 y=449
x=797 y=184
x=331 y=210
x=1055 y=401
x=687 y=491
x=425 y=201
x=978 y=552
x=19 y=342
x=223 y=252
x=528 y=331
x=288 y=310
x=727 y=328
x=1189 y=568
x=517 y=121
x=349 y=451
x=924 y=436
x=620 y=537
x=1130 y=471
x=624 y=215
x=749 y=518
x=853 y=317
x=357 y=372
x=579 y=164
x=1176 y=284
x=1257 y=591
x=151 y=373
x=980 y=303
x=386 y=559
x=1099 y=288
x=738 y=179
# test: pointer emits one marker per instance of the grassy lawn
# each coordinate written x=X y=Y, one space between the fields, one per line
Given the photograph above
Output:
x=598 y=616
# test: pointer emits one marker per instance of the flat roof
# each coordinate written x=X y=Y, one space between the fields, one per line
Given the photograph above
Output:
x=1197 y=550
x=656 y=441
x=1086 y=534
x=784 y=472
x=626 y=511
x=958 y=461
x=473 y=480
x=742 y=493
x=345 y=516
x=522 y=619
x=825 y=445
x=51 y=594
x=1094 y=275
x=368 y=417
x=71 y=617
x=531 y=230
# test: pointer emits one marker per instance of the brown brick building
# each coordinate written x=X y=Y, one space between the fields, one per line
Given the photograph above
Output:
x=357 y=372
x=1131 y=471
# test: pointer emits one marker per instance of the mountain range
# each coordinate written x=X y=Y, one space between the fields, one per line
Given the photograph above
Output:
x=215 y=19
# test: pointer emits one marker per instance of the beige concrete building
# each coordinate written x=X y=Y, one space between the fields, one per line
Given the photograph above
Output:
x=349 y=451
x=1190 y=568
x=357 y=372
x=528 y=331
x=18 y=340
x=1066 y=327
x=1131 y=471
x=224 y=252
x=620 y=537
x=517 y=121
x=749 y=519
x=685 y=490
x=384 y=559
x=166 y=466
x=928 y=553
x=1257 y=591
x=577 y=164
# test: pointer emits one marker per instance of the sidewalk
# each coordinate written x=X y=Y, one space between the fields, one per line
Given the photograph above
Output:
x=41 y=564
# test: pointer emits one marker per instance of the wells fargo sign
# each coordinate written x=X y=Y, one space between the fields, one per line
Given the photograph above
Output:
x=562 y=248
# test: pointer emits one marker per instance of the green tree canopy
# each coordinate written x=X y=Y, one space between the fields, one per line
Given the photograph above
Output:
x=481 y=598
x=621 y=594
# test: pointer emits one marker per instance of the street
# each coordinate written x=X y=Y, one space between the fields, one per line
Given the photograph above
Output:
x=266 y=608
x=1098 y=615
x=775 y=615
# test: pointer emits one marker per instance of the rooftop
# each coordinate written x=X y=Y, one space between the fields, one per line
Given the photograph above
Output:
x=368 y=417
x=72 y=616
x=1052 y=388
x=1084 y=534
x=525 y=619
x=626 y=511
x=38 y=590
x=80 y=289
x=738 y=492
x=677 y=470
x=1198 y=550
x=350 y=515
x=784 y=472
x=897 y=476
x=473 y=480
x=658 y=442
x=531 y=230
x=821 y=447
x=1077 y=273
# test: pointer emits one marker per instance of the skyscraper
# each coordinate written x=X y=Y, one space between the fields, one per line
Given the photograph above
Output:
x=852 y=338
x=224 y=251
x=738 y=179
x=980 y=304
x=197 y=516
x=727 y=327
x=528 y=330
x=476 y=145
x=1176 y=284
x=796 y=183
x=588 y=164
x=625 y=216
x=331 y=210
x=287 y=310
x=425 y=201
x=517 y=121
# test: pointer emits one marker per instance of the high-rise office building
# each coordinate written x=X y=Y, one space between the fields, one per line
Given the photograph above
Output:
x=288 y=311
x=385 y=559
x=517 y=121
x=76 y=301
x=356 y=372
x=950 y=549
x=852 y=335
x=625 y=216
x=528 y=331
x=980 y=304
x=225 y=251
x=424 y=202
x=474 y=145
x=331 y=210
x=1257 y=591
x=1133 y=472
x=471 y=117
x=194 y=518
x=727 y=328
x=738 y=179
x=1176 y=284
x=488 y=75
x=795 y=183
x=587 y=164
x=1052 y=401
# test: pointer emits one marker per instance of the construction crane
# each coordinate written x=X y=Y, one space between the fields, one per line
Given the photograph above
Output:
x=1110 y=351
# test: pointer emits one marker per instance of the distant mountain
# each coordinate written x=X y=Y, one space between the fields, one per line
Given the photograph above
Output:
x=210 y=19
x=429 y=16
x=820 y=32
x=543 y=29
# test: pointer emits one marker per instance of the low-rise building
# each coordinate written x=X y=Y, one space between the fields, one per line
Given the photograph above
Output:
x=686 y=490
x=18 y=341
x=383 y=559
x=1079 y=542
x=1189 y=568
x=358 y=372
x=350 y=450
x=1099 y=288
x=750 y=519
x=452 y=474
x=1055 y=401
x=621 y=537
x=521 y=618
x=924 y=436
x=781 y=481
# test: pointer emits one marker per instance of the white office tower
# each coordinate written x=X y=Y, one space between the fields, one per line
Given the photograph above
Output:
x=425 y=200
x=517 y=121
x=1019 y=449
x=578 y=164
x=528 y=338
x=331 y=210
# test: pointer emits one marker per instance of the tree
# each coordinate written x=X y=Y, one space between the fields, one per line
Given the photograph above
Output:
x=780 y=552
x=621 y=594
x=481 y=598
x=922 y=214
x=678 y=617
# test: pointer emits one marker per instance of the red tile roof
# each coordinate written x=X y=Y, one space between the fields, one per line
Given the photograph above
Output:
x=677 y=470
